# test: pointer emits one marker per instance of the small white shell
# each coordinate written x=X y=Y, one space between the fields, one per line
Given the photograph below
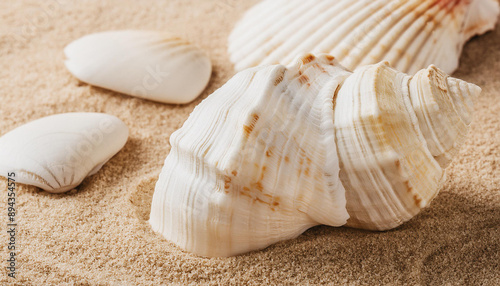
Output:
x=147 y=64
x=410 y=34
x=58 y=152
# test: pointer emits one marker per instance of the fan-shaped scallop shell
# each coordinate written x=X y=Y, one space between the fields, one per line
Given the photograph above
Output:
x=410 y=34
x=280 y=149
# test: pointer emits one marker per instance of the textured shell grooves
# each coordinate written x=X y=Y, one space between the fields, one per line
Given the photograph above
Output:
x=280 y=149
x=248 y=185
x=411 y=34
x=386 y=188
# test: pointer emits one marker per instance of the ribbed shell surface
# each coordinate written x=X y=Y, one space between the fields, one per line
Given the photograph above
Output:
x=409 y=34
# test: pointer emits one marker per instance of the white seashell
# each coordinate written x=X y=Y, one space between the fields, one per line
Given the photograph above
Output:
x=146 y=64
x=56 y=153
x=258 y=161
x=410 y=34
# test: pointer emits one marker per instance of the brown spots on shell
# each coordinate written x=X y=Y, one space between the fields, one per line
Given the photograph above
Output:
x=249 y=128
x=245 y=194
x=259 y=186
x=398 y=166
x=303 y=159
x=319 y=67
x=287 y=159
x=308 y=58
x=417 y=200
x=255 y=117
x=307 y=172
x=330 y=57
x=234 y=173
x=269 y=152
x=408 y=187
x=267 y=199
x=303 y=79
x=259 y=200
x=279 y=78
x=263 y=172
x=227 y=182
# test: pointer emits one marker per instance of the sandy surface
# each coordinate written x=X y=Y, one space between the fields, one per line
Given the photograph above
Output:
x=98 y=234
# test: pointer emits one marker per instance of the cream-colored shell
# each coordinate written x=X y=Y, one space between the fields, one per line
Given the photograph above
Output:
x=280 y=149
x=410 y=34
x=57 y=152
x=147 y=64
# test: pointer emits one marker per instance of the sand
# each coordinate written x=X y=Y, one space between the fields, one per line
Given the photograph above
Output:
x=98 y=234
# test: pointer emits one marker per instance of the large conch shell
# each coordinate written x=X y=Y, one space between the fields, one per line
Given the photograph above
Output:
x=410 y=34
x=258 y=161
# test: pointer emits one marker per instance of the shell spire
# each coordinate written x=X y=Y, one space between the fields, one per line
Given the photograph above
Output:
x=395 y=136
x=280 y=149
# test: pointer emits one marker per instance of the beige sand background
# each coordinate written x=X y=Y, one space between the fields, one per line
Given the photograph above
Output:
x=98 y=235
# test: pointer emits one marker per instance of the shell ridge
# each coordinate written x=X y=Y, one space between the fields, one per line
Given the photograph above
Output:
x=294 y=32
x=255 y=12
x=346 y=29
x=358 y=34
x=276 y=27
x=355 y=37
x=396 y=42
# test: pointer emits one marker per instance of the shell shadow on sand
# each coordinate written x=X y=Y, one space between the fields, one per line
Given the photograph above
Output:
x=453 y=238
x=142 y=196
